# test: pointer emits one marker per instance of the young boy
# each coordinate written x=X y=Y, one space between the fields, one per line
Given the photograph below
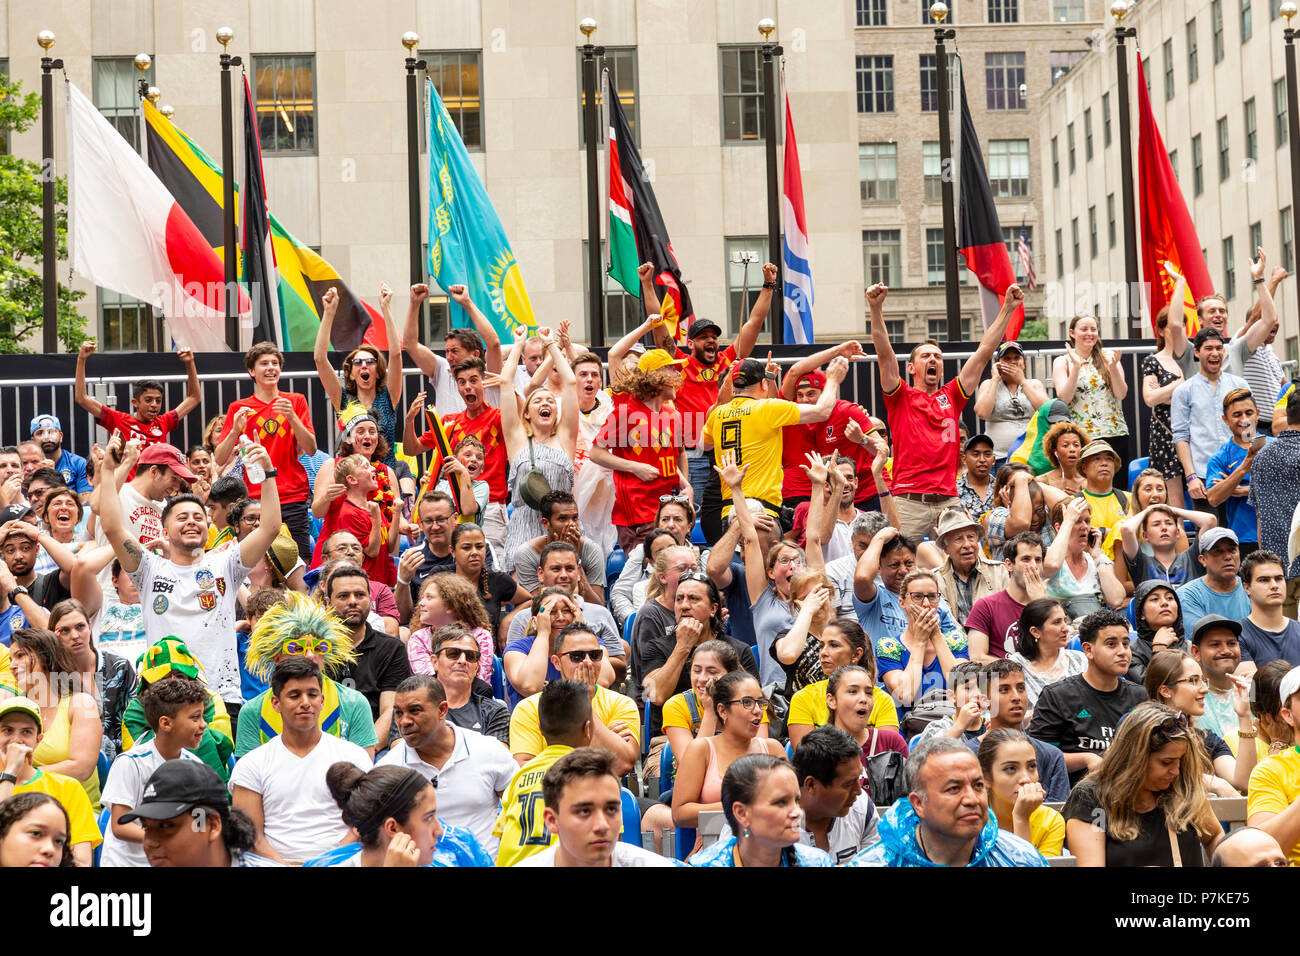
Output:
x=970 y=705
x=225 y=491
x=353 y=511
x=147 y=421
x=174 y=710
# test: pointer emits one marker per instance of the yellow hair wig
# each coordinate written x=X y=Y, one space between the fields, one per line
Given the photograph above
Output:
x=295 y=619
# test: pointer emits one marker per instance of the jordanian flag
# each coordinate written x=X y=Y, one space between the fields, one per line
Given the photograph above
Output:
x=195 y=180
x=637 y=232
x=260 y=275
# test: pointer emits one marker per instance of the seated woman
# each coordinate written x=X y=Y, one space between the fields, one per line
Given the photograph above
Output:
x=760 y=799
x=1148 y=793
x=691 y=714
x=920 y=659
x=1063 y=445
x=447 y=598
x=798 y=650
x=1075 y=571
x=844 y=642
x=494 y=588
x=108 y=677
x=850 y=702
x=64 y=513
x=71 y=730
x=645 y=588
x=739 y=705
x=1275 y=734
x=1159 y=617
x=1010 y=769
x=1149 y=488
x=34 y=831
x=1174 y=678
x=394 y=812
x=1040 y=647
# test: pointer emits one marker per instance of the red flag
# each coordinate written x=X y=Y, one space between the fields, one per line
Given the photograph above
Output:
x=1168 y=233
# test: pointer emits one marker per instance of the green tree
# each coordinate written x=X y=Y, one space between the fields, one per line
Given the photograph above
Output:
x=21 y=283
x=1035 y=330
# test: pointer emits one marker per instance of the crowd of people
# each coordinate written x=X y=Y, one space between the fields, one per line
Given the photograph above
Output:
x=668 y=607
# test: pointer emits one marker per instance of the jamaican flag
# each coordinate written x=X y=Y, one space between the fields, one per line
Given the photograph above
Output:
x=195 y=181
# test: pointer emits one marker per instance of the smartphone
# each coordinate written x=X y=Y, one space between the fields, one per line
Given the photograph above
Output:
x=1258 y=442
x=1093 y=535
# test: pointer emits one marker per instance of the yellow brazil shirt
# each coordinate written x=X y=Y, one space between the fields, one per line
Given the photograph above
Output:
x=751 y=427
x=7 y=682
x=808 y=706
x=72 y=795
x=520 y=827
x=607 y=706
x=1047 y=831
x=1105 y=512
x=1274 y=784
x=677 y=712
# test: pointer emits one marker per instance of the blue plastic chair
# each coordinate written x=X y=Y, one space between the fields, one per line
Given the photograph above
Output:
x=1131 y=614
x=614 y=564
x=789 y=750
x=498 y=678
x=1135 y=468
x=103 y=820
x=697 y=534
x=627 y=628
x=645 y=729
x=102 y=766
x=315 y=524
x=667 y=772
x=631 y=819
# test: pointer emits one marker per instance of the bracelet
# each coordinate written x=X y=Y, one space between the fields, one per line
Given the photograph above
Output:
x=769 y=285
x=273 y=473
x=1243 y=735
x=1257 y=282
x=8 y=778
x=884 y=494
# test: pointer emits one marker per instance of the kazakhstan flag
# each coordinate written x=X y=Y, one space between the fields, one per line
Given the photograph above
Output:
x=466 y=242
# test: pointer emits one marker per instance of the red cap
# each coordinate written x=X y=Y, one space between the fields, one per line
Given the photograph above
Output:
x=814 y=379
x=162 y=453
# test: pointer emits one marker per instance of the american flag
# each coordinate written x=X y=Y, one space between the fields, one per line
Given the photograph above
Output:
x=1026 y=259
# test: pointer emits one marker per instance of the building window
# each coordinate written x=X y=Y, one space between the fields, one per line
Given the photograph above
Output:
x=1216 y=28
x=1074 y=240
x=455 y=74
x=743 y=286
x=934 y=257
x=1110 y=220
x=1004 y=73
x=1245 y=20
x=1069 y=145
x=1193 y=67
x=742 y=94
x=1146 y=72
x=1167 y=52
x=621 y=63
x=1060 y=256
x=1092 y=232
x=1252 y=132
x=1003 y=11
x=1256 y=238
x=123 y=321
x=929 y=84
x=1087 y=134
x=937 y=328
x=285 y=89
x=623 y=312
x=1062 y=61
x=871 y=13
x=1198 y=167
x=925 y=14
x=1224 y=162
x=1287 y=229
x=1105 y=119
x=1011 y=239
x=1229 y=269
x=1009 y=168
x=878 y=171
x=1067 y=11
x=882 y=257
x=875 y=84
x=1280 y=116
x=1293 y=349
x=932 y=171
x=1173 y=162
x=117 y=95
x=1056 y=163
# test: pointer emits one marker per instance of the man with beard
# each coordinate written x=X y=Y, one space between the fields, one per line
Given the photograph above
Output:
x=1219 y=591
x=48 y=433
x=381 y=662
x=1196 y=413
x=1216 y=646
x=32 y=594
x=994 y=620
x=469 y=770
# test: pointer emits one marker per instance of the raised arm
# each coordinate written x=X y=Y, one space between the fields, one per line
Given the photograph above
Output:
x=491 y=340
x=973 y=367
x=425 y=360
x=1055 y=557
x=985 y=397
x=755 y=568
x=79 y=387
x=864 y=575
x=193 y=390
x=818 y=473
x=411 y=443
x=885 y=357
x=1176 y=325
x=1257 y=333
x=394 y=378
x=718 y=567
x=320 y=352
x=512 y=424
x=618 y=351
x=568 y=430
x=835 y=373
x=848 y=350
x=253 y=547
x=85 y=583
x=1065 y=374
x=125 y=545
x=748 y=334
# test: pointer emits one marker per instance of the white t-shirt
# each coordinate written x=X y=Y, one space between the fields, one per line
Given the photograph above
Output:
x=446 y=397
x=125 y=786
x=469 y=784
x=625 y=854
x=300 y=818
x=196 y=603
x=851 y=833
x=143 y=519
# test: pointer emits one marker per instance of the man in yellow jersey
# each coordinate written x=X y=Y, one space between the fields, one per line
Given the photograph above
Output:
x=564 y=716
x=750 y=425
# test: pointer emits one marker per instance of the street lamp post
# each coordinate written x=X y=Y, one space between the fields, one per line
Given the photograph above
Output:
x=1132 y=299
x=595 y=274
x=224 y=36
x=49 y=228
x=771 y=91
x=411 y=40
x=952 y=291
x=1288 y=10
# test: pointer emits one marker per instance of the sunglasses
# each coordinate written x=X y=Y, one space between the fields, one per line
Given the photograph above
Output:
x=306 y=648
x=363 y=360
x=750 y=703
x=1171 y=727
x=676 y=499
x=695 y=576
x=458 y=653
x=578 y=657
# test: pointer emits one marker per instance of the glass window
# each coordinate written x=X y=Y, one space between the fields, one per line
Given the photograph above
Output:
x=932 y=170
x=117 y=95
x=1216 y=28
x=1004 y=74
x=455 y=74
x=878 y=171
x=875 y=84
x=1009 y=168
x=1274 y=9
x=1252 y=132
x=623 y=312
x=1069 y=144
x=1224 y=161
x=1087 y=134
x=1280 y=116
x=1256 y=238
x=1146 y=72
x=285 y=89
x=1056 y=163
x=1060 y=256
x=871 y=13
x=882 y=257
x=621 y=63
x=1110 y=220
x=123 y=321
x=742 y=95
x=1003 y=11
x=1011 y=238
x=1245 y=21
x=1198 y=166
x=1074 y=240
x=937 y=328
x=1193 y=67
x=1167 y=54
x=1105 y=119
x=1229 y=269
x=1287 y=228
x=1173 y=162
x=743 y=283
x=1067 y=11
x=1092 y=232
x=934 y=257
x=929 y=84
x=1062 y=61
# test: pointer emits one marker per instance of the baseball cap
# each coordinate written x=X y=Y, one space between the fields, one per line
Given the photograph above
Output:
x=1210 y=622
x=22 y=705
x=954 y=519
x=655 y=359
x=176 y=787
x=1290 y=685
x=14 y=512
x=703 y=325
x=161 y=453
x=814 y=379
x=1057 y=411
x=1006 y=347
x=637 y=348
x=45 y=421
x=980 y=439
x=747 y=372
x=1208 y=539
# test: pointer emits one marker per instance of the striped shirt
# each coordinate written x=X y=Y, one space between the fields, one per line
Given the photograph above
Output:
x=1261 y=370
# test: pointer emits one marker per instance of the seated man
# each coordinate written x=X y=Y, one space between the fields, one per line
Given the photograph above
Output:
x=945 y=820
x=1159 y=526
x=975 y=487
x=1248 y=846
x=839 y=816
x=469 y=770
x=437 y=515
x=1004 y=689
x=560 y=520
x=343 y=545
x=1219 y=590
x=470 y=704
x=840 y=570
x=281 y=784
x=994 y=620
x=33 y=594
x=1097 y=463
x=965 y=574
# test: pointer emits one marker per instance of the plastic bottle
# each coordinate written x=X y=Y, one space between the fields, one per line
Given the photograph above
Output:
x=253 y=469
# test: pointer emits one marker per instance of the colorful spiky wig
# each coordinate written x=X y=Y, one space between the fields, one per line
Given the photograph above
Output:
x=298 y=626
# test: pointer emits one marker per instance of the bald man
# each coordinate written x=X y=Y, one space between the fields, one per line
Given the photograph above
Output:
x=1248 y=846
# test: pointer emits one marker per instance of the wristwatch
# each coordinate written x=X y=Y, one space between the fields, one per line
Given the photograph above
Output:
x=13 y=595
x=8 y=778
x=272 y=473
x=770 y=376
x=769 y=285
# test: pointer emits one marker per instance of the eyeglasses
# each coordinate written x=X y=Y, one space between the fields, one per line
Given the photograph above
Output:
x=675 y=499
x=1197 y=681
x=577 y=657
x=443 y=520
x=307 y=647
x=364 y=360
x=750 y=703
x=923 y=598
x=788 y=560
x=251 y=519
x=457 y=653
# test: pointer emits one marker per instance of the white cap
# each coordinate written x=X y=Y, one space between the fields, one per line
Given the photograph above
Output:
x=1290 y=685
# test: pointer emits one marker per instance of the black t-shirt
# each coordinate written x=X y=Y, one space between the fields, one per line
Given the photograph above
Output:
x=1215 y=744
x=47 y=590
x=1078 y=718
x=484 y=715
x=382 y=665
x=501 y=588
x=1151 y=846
x=653 y=620
x=658 y=645
x=807 y=667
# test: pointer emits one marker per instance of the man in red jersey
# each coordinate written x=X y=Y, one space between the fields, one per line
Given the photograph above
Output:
x=925 y=415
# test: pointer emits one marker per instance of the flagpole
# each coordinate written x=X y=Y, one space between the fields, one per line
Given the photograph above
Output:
x=411 y=40
x=152 y=94
x=952 y=292
x=1119 y=10
x=771 y=93
x=224 y=36
x=1288 y=10
x=590 y=132
x=49 y=227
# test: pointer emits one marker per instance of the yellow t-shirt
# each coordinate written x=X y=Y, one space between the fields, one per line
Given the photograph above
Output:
x=751 y=427
x=1105 y=513
x=72 y=795
x=217 y=535
x=808 y=706
x=1274 y=785
x=7 y=681
x=1047 y=831
x=677 y=713
x=1261 y=749
x=607 y=706
x=520 y=827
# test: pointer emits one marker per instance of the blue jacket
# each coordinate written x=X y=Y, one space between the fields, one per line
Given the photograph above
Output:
x=898 y=846
x=456 y=847
x=722 y=854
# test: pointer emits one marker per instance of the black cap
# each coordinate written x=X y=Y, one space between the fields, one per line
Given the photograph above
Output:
x=703 y=325
x=1212 y=622
x=176 y=787
x=980 y=439
x=15 y=512
x=747 y=372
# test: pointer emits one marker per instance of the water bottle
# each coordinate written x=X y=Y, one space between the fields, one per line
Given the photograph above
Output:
x=253 y=469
